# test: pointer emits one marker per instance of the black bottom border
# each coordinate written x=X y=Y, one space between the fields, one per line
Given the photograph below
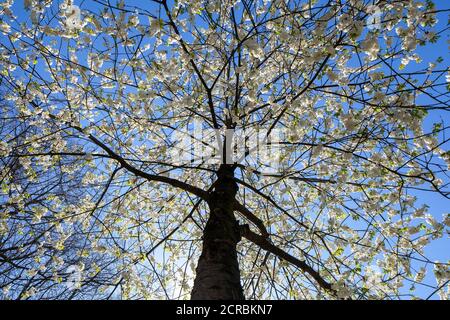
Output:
x=268 y=309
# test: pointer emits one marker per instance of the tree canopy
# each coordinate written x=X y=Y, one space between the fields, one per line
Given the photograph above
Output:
x=95 y=95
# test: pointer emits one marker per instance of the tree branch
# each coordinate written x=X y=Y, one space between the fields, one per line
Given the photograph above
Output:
x=263 y=243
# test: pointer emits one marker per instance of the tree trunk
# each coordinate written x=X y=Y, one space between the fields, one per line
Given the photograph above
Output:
x=217 y=270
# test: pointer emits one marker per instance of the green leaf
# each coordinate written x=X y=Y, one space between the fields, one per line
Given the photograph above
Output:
x=339 y=251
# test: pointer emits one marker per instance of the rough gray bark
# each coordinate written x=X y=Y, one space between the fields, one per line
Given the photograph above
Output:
x=217 y=273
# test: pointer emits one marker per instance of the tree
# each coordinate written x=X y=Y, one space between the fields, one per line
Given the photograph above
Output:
x=109 y=192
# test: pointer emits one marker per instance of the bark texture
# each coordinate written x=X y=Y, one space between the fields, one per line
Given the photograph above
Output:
x=217 y=273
